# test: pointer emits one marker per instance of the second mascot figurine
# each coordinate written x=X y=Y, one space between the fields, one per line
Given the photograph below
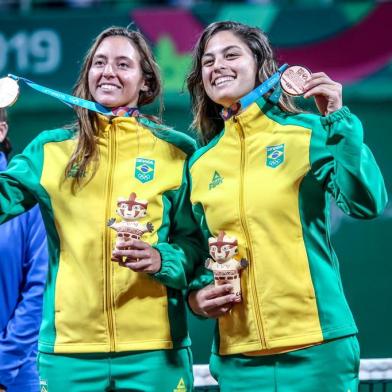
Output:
x=223 y=264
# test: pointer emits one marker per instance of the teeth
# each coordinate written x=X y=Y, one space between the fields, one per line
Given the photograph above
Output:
x=223 y=79
x=108 y=87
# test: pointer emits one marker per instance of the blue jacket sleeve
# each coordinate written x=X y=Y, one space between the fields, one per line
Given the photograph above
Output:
x=19 y=338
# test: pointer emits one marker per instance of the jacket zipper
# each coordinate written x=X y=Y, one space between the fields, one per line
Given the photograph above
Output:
x=108 y=263
x=245 y=229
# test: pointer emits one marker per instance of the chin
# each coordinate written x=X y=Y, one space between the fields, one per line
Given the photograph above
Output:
x=107 y=101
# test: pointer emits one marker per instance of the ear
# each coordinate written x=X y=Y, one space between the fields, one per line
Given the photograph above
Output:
x=3 y=130
x=144 y=87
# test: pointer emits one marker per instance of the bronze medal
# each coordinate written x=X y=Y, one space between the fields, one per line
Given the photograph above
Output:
x=293 y=80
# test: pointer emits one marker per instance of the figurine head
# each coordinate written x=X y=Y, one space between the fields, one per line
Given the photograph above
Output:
x=131 y=209
x=223 y=247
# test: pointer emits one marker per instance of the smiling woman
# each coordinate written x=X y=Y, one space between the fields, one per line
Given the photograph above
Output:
x=115 y=78
x=277 y=168
x=109 y=310
x=228 y=68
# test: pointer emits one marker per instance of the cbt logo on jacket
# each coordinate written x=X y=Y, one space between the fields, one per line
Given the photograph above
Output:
x=144 y=169
x=275 y=155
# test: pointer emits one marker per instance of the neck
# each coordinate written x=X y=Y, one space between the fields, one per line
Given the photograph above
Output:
x=226 y=113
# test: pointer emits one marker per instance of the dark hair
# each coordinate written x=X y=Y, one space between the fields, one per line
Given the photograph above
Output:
x=207 y=120
x=86 y=151
x=5 y=145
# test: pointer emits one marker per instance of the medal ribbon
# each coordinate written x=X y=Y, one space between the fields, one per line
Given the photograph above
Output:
x=72 y=101
x=255 y=94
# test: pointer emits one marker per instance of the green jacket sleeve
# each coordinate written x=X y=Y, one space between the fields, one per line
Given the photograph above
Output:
x=181 y=249
x=345 y=166
x=19 y=184
x=201 y=276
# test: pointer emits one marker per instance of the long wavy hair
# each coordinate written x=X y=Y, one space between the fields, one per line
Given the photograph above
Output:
x=206 y=113
x=86 y=153
x=5 y=145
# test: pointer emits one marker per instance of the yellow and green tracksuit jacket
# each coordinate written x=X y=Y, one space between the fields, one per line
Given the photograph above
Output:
x=92 y=304
x=267 y=179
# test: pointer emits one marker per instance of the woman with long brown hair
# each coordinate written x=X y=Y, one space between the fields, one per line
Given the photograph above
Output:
x=113 y=319
x=264 y=180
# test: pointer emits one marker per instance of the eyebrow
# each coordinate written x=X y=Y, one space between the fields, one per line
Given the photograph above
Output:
x=224 y=50
x=102 y=56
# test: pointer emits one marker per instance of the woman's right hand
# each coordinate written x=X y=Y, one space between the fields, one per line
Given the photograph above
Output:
x=212 y=301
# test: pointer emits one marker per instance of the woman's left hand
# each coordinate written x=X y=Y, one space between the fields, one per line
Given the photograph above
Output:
x=140 y=256
x=326 y=92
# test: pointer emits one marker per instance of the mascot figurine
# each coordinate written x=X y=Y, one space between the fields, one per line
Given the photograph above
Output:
x=129 y=228
x=224 y=265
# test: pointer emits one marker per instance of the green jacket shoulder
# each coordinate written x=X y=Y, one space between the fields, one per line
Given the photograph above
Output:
x=179 y=139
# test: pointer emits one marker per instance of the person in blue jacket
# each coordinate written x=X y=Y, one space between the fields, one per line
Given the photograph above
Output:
x=23 y=266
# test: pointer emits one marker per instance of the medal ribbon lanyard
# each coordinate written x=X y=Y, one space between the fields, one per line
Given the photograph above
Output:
x=261 y=89
x=69 y=100
x=255 y=94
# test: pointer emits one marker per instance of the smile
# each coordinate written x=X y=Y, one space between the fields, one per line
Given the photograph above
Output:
x=222 y=80
x=108 y=87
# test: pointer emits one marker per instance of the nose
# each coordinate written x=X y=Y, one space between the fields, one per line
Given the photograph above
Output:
x=219 y=63
x=108 y=71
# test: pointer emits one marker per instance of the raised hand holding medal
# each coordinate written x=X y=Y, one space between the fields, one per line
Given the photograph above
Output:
x=326 y=92
x=297 y=80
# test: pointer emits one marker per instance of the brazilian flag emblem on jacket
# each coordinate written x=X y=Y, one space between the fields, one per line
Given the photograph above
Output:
x=144 y=169
x=275 y=155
